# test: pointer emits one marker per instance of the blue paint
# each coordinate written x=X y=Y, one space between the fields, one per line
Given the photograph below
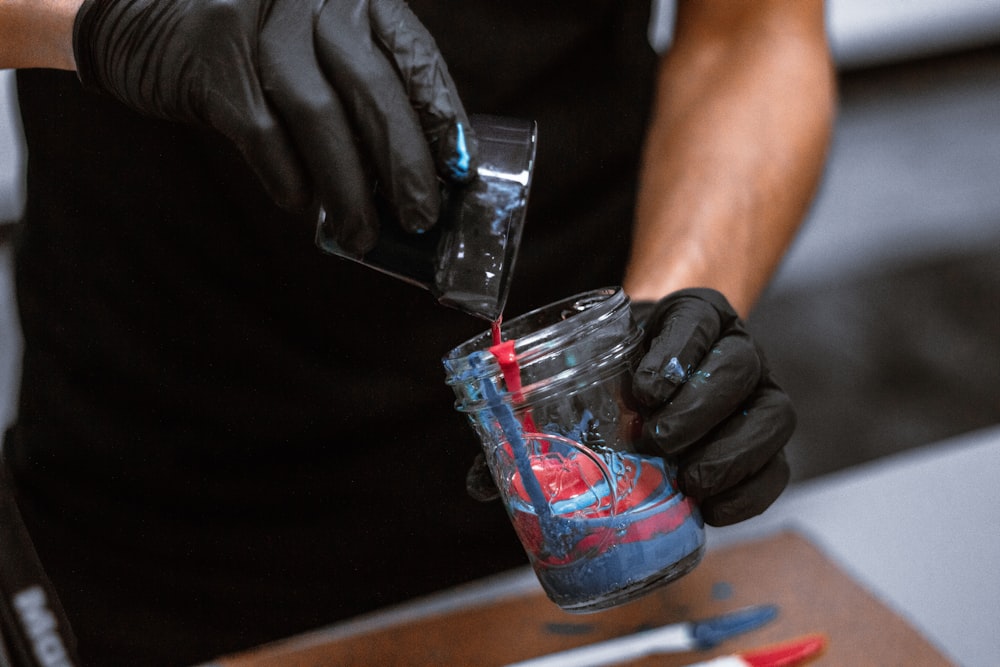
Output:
x=554 y=533
x=459 y=164
x=502 y=199
x=577 y=432
x=674 y=371
x=569 y=629
x=699 y=378
x=711 y=632
x=618 y=573
x=722 y=590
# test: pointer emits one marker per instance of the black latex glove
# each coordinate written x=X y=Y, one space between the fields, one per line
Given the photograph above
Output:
x=713 y=406
x=322 y=97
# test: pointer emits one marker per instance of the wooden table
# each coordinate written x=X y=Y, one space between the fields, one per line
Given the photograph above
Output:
x=509 y=618
x=897 y=562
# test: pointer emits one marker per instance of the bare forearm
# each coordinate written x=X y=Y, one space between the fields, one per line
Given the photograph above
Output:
x=37 y=33
x=742 y=122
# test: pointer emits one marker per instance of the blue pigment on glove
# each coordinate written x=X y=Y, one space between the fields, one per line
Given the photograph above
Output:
x=459 y=164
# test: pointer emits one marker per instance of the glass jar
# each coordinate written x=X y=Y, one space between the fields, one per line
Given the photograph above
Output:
x=598 y=513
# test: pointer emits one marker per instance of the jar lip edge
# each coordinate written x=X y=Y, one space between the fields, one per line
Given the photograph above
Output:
x=549 y=331
x=542 y=388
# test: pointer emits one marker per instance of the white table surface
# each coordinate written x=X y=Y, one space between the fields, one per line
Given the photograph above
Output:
x=921 y=530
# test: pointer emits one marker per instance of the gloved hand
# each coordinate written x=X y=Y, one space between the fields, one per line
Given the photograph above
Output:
x=320 y=96
x=713 y=406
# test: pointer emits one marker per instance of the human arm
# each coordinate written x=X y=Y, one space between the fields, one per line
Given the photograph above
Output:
x=734 y=152
x=323 y=99
x=742 y=119
x=37 y=33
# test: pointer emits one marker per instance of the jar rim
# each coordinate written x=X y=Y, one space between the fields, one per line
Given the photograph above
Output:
x=599 y=304
x=607 y=364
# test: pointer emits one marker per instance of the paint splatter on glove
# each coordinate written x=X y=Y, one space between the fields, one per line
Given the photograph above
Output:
x=712 y=405
x=323 y=98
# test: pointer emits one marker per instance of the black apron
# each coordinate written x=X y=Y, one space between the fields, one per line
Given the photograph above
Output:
x=225 y=436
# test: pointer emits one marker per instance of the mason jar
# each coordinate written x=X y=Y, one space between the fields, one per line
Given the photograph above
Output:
x=596 y=508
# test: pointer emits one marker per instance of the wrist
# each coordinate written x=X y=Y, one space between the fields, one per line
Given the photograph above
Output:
x=651 y=285
x=37 y=33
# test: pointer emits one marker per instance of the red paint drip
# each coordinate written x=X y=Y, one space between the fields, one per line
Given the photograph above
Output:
x=506 y=356
x=785 y=655
x=497 y=337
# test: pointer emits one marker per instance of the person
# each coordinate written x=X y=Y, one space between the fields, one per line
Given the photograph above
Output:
x=225 y=436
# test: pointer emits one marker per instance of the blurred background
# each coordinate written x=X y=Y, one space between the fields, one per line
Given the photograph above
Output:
x=883 y=322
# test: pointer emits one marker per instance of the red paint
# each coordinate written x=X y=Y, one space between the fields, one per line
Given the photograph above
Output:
x=564 y=478
x=497 y=338
x=506 y=356
x=642 y=486
x=785 y=655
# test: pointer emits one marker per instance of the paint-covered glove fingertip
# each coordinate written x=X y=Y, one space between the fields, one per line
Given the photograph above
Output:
x=458 y=153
